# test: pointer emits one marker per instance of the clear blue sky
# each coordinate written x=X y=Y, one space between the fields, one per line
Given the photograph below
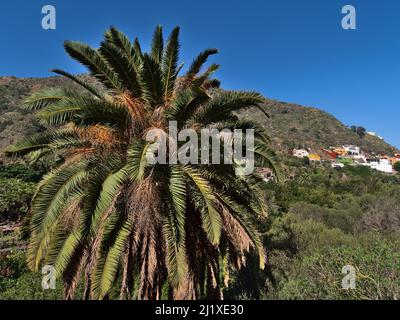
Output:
x=290 y=50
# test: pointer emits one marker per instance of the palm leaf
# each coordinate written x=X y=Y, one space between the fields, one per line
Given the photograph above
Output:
x=157 y=45
x=41 y=141
x=113 y=259
x=44 y=98
x=82 y=83
x=200 y=60
x=91 y=59
x=210 y=216
x=137 y=159
x=170 y=63
x=123 y=66
x=150 y=80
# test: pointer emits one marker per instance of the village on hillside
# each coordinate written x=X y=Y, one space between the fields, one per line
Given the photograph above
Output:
x=350 y=155
x=338 y=157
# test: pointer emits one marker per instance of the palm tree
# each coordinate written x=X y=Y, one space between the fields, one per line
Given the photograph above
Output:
x=104 y=215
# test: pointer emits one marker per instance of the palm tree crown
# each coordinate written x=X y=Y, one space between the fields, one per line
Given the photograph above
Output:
x=107 y=216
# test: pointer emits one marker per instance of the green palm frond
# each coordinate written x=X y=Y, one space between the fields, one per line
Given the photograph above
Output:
x=97 y=175
x=58 y=113
x=211 y=83
x=72 y=242
x=137 y=159
x=224 y=104
x=55 y=193
x=123 y=65
x=185 y=104
x=48 y=204
x=92 y=59
x=210 y=216
x=240 y=124
x=107 y=236
x=57 y=242
x=150 y=80
x=200 y=60
x=157 y=45
x=82 y=83
x=107 y=113
x=113 y=259
x=111 y=188
x=174 y=228
x=119 y=39
x=177 y=189
x=199 y=81
x=138 y=57
x=170 y=63
x=41 y=141
x=176 y=255
x=44 y=98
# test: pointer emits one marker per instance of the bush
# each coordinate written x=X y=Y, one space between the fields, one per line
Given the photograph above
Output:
x=382 y=212
x=318 y=275
x=344 y=215
x=18 y=283
x=20 y=171
x=15 y=196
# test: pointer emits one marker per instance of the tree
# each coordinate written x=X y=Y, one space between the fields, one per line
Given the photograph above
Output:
x=15 y=195
x=108 y=214
x=361 y=131
x=397 y=166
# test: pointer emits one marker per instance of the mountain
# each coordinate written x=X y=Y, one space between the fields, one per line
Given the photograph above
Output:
x=289 y=125
x=292 y=126
x=16 y=122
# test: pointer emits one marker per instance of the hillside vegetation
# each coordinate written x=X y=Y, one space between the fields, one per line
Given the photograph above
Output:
x=290 y=125
x=17 y=123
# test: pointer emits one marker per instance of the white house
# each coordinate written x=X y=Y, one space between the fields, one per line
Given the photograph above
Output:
x=352 y=150
x=300 y=153
x=382 y=165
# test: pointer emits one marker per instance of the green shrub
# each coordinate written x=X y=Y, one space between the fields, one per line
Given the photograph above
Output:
x=20 y=171
x=318 y=275
x=18 y=283
x=344 y=215
x=15 y=196
x=381 y=212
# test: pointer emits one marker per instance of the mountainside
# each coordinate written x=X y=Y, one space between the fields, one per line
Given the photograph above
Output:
x=290 y=125
x=293 y=126
x=16 y=122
